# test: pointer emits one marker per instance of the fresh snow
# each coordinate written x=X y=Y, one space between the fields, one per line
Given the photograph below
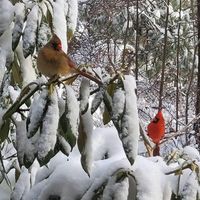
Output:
x=73 y=109
x=6 y=54
x=19 y=21
x=190 y=153
x=59 y=22
x=6 y=14
x=29 y=35
x=86 y=152
x=63 y=174
x=151 y=181
x=47 y=138
x=36 y=110
x=25 y=147
x=118 y=103
x=84 y=94
x=130 y=121
x=28 y=72
x=72 y=14
x=22 y=186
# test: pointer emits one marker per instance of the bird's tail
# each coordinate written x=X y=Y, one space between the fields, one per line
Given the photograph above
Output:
x=156 y=151
x=89 y=76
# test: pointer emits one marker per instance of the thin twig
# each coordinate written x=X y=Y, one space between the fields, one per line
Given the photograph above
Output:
x=188 y=166
x=126 y=34
x=182 y=131
x=178 y=67
x=137 y=40
x=164 y=58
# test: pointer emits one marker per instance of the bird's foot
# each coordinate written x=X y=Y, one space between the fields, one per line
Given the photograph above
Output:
x=51 y=88
x=52 y=83
x=54 y=79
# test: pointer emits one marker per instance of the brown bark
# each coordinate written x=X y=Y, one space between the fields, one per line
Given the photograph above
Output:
x=198 y=76
x=164 y=59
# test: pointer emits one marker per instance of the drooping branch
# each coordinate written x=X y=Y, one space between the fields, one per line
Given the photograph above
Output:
x=182 y=131
x=28 y=91
x=181 y=168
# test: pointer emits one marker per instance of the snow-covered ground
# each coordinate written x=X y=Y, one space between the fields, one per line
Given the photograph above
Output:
x=64 y=176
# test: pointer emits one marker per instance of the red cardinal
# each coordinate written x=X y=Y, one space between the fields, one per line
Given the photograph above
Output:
x=53 y=61
x=156 y=130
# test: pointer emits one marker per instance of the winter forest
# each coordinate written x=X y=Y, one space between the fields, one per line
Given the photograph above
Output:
x=99 y=100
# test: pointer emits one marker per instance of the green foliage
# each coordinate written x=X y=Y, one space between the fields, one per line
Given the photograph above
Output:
x=43 y=160
x=66 y=130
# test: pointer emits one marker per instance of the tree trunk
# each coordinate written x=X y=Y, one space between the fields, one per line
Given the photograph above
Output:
x=163 y=59
x=197 y=125
x=198 y=76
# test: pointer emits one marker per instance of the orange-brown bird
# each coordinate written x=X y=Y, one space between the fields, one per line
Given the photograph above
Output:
x=52 y=61
x=156 y=130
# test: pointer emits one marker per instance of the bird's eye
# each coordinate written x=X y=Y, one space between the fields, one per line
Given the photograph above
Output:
x=54 y=45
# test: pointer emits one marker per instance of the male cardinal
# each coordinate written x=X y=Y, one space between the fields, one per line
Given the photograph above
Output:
x=52 y=61
x=156 y=130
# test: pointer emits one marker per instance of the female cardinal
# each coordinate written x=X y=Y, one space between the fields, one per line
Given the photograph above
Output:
x=156 y=130
x=52 y=61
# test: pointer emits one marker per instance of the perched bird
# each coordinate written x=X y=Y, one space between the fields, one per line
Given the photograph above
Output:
x=52 y=61
x=156 y=130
